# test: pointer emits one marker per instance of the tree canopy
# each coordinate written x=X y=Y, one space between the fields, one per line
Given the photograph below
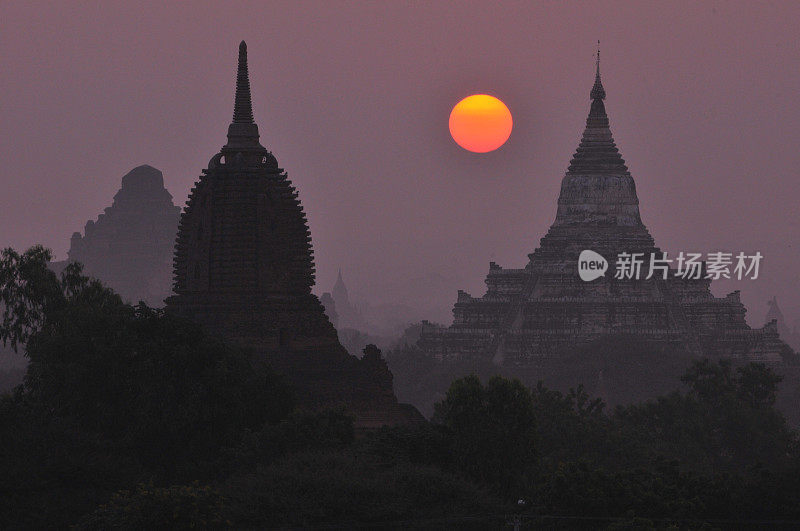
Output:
x=129 y=417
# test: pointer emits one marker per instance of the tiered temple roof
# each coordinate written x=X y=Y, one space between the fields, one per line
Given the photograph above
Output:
x=545 y=311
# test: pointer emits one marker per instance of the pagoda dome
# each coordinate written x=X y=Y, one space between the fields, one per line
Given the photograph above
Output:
x=243 y=230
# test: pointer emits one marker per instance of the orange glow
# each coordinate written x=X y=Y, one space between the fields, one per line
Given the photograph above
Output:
x=480 y=123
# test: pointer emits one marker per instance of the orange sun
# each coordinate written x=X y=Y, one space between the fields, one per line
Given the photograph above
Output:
x=480 y=123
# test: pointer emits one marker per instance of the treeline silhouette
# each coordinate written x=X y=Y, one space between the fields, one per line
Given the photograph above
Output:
x=129 y=418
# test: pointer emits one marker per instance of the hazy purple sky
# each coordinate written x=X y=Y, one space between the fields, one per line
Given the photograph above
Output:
x=353 y=99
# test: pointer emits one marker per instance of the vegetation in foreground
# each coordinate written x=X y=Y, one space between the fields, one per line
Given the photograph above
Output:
x=129 y=418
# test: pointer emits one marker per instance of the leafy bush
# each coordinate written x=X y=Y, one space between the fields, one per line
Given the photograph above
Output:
x=493 y=430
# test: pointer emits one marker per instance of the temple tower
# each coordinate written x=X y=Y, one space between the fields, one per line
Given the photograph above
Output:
x=243 y=260
x=598 y=188
x=348 y=314
x=339 y=292
x=244 y=270
x=129 y=246
x=545 y=312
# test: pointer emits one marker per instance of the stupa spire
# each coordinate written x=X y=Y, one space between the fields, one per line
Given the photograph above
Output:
x=597 y=188
x=243 y=131
x=598 y=92
x=243 y=107
x=339 y=292
x=597 y=152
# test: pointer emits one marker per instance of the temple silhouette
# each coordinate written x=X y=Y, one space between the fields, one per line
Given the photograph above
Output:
x=244 y=269
x=545 y=311
x=129 y=246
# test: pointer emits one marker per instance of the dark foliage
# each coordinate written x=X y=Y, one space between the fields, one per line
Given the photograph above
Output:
x=493 y=433
x=113 y=395
x=129 y=418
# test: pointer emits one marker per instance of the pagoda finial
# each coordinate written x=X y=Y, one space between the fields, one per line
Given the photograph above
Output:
x=243 y=131
x=243 y=108
x=598 y=57
x=598 y=92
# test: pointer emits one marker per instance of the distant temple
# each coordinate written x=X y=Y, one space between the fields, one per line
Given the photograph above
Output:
x=330 y=308
x=129 y=247
x=545 y=311
x=339 y=292
x=244 y=270
x=775 y=314
x=348 y=315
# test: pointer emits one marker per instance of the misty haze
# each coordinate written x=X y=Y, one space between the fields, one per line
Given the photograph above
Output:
x=355 y=265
